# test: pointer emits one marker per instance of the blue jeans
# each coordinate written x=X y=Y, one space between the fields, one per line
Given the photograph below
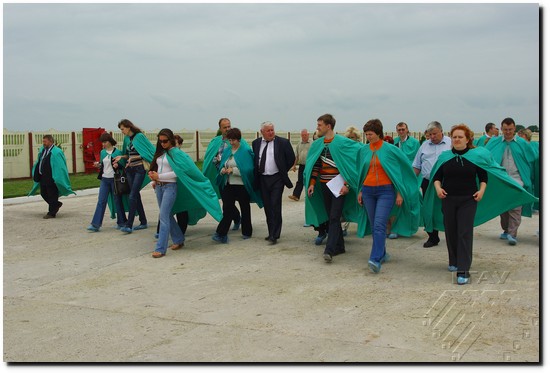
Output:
x=378 y=202
x=135 y=175
x=166 y=196
x=106 y=187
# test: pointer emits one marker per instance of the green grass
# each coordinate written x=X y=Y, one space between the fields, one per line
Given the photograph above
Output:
x=21 y=187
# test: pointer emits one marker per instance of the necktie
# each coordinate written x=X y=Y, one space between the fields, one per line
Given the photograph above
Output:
x=44 y=154
x=262 y=160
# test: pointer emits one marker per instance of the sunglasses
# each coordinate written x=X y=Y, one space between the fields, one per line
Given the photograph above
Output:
x=164 y=141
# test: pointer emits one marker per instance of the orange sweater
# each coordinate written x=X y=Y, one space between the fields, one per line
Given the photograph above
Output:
x=376 y=175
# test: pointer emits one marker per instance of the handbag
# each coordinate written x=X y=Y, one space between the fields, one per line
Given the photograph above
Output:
x=122 y=186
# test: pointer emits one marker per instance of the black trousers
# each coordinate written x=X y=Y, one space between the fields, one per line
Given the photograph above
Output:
x=231 y=194
x=235 y=213
x=300 y=183
x=458 y=219
x=334 y=207
x=433 y=235
x=183 y=221
x=272 y=195
x=50 y=194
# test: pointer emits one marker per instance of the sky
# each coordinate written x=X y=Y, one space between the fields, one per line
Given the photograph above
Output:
x=184 y=66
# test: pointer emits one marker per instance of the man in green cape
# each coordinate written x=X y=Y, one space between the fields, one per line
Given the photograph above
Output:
x=502 y=193
x=491 y=131
x=398 y=168
x=322 y=209
x=212 y=161
x=518 y=158
x=195 y=192
x=408 y=145
x=50 y=173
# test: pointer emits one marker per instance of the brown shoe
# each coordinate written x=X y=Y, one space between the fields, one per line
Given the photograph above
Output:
x=176 y=246
x=293 y=197
x=156 y=254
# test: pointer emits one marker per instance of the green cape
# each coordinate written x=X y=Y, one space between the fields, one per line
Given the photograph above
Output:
x=409 y=147
x=344 y=152
x=398 y=168
x=524 y=157
x=110 y=197
x=244 y=157
x=145 y=149
x=195 y=192
x=502 y=193
x=480 y=141
x=208 y=168
x=536 y=179
x=60 y=173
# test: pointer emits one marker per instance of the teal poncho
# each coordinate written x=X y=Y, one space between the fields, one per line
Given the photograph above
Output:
x=501 y=194
x=195 y=192
x=344 y=152
x=409 y=147
x=524 y=157
x=208 y=168
x=398 y=168
x=244 y=157
x=60 y=173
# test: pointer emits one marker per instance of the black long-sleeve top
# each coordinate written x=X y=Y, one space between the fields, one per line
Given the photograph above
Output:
x=458 y=175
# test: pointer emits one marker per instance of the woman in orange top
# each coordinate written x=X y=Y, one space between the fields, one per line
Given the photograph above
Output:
x=378 y=195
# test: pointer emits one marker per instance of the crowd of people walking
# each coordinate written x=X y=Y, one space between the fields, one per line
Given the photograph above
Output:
x=389 y=187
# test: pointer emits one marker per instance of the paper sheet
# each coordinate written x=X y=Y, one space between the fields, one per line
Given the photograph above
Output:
x=335 y=185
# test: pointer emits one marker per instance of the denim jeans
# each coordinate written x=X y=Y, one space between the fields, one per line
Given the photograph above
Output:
x=106 y=187
x=378 y=202
x=135 y=175
x=166 y=196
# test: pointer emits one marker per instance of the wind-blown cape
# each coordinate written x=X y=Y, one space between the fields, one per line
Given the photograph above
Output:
x=398 y=168
x=409 y=147
x=536 y=178
x=208 y=168
x=195 y=192
x=145 y=149
x=244 y=157
x=60 y=173
x=110 y=197
x=480 y=141
x=524 y=157
x=344 y=152
x=502 y=193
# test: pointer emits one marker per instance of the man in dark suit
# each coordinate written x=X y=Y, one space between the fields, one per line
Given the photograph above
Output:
x=50 y=173
x=273 y=157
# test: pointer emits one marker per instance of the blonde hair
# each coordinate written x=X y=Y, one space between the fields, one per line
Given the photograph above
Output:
x=352 y=132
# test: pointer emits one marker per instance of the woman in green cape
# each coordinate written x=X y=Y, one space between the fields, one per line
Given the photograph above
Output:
x=136 y=149
x=235 y=181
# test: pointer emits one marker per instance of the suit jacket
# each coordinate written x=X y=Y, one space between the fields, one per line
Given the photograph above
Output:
x=284 y=158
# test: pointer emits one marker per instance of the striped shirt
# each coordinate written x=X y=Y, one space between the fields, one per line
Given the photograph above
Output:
x=324 y=167
x=134 y=159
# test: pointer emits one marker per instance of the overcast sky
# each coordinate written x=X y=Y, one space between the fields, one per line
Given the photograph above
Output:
x=183 y=66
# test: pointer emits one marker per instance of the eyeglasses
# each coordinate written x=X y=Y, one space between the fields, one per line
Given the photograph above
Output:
x=164 y=141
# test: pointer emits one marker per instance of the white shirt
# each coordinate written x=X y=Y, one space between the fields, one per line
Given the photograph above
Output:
x=165 y=171
x=108 y=171
x=427 y=155
x=270 y=165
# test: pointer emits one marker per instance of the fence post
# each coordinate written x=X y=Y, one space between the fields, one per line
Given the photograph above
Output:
x=197 y=145
x=30 y=154
x=73 y=136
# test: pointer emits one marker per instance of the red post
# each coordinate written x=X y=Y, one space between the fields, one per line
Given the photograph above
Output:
x=73 y=135
x=30 y=154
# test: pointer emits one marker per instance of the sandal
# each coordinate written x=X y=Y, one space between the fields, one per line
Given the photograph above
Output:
x=176 y=246
x=156 y=254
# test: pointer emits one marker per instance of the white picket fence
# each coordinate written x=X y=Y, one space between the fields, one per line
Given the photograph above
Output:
x=21 y=148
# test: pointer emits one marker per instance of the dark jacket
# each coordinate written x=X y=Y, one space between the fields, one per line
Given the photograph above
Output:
x=284 y=158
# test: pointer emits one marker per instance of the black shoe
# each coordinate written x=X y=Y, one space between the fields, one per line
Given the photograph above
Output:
x=272 y=241
x=340 y=252
x=430 y=243
x=267 y=238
